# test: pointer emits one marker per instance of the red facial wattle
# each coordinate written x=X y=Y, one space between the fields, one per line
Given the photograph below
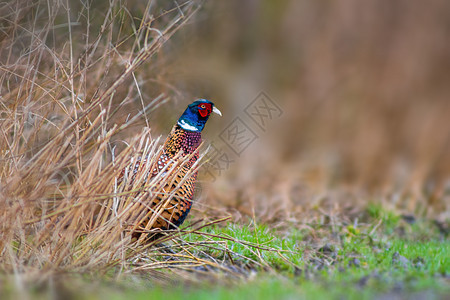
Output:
x=204 y=110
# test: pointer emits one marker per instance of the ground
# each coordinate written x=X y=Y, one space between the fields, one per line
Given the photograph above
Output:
x=384 y=255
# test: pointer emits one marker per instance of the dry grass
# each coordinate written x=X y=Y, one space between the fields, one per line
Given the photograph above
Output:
x=67 y=89
x=65 y=80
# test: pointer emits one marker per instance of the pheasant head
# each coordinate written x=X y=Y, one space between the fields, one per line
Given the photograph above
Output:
x=196 y=114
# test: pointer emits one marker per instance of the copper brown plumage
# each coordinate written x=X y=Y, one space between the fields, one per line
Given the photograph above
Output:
x=182 y=143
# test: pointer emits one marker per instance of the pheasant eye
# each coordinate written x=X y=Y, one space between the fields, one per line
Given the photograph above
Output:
x=204 y=110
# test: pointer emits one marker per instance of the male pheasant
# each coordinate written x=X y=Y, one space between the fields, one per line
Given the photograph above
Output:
x=183 y=140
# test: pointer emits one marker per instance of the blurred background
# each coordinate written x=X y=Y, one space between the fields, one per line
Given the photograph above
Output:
x=365 y=91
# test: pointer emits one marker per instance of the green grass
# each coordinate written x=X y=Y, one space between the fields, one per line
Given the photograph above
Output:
x=379 y=260
x=359 y=262
x=376 y=274
x=265 y=289
x=285 y=250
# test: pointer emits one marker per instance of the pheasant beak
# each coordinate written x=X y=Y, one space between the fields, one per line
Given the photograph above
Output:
x=217 y=111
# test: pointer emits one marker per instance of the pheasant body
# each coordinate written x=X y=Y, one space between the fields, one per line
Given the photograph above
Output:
x=183 y=140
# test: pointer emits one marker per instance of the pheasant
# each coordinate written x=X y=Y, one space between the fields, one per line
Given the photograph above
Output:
x=183 y=140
